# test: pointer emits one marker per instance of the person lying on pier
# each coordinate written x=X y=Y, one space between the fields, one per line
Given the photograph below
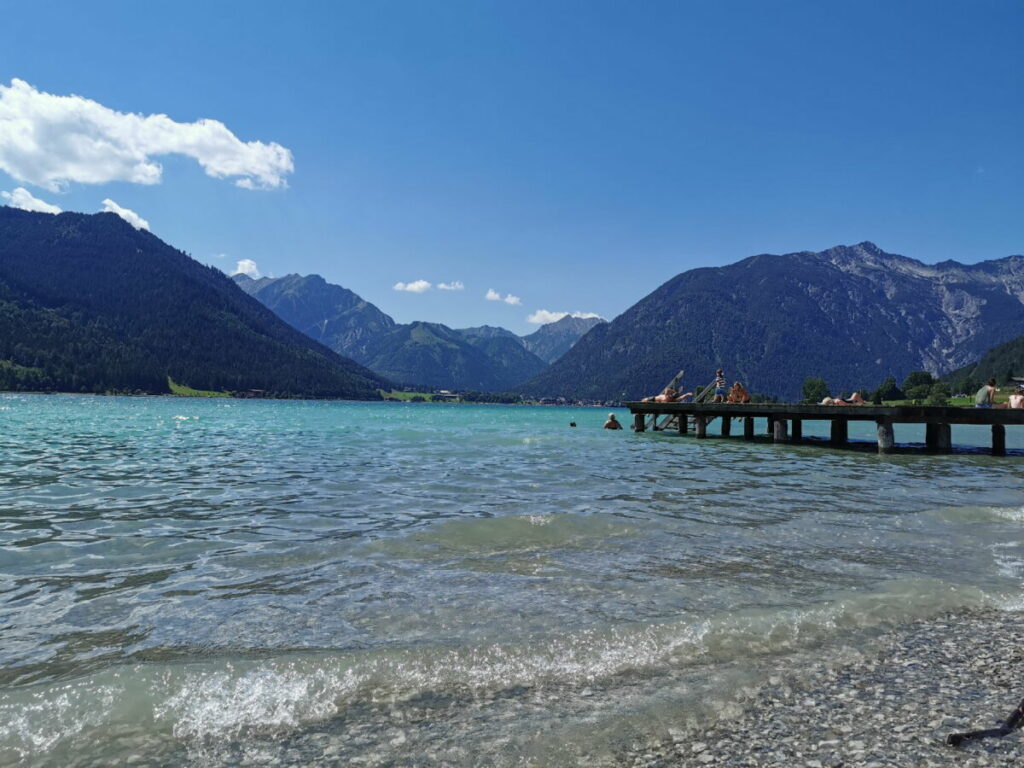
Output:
x=1017 y=399
x=668 y=395
x=738 y=394
x=854 y=399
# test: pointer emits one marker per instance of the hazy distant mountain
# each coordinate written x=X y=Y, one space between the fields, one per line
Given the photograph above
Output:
x=852 y=315
x=488 y=332
x=514 y=363
x=334 y=316
x=551 y=341
x=90 y=304
x=422 y=354
x=435 y=356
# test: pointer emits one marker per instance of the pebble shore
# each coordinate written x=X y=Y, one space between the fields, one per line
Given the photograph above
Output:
x=894 y=706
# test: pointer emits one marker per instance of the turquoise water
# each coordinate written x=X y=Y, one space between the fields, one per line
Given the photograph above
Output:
x=188 y=581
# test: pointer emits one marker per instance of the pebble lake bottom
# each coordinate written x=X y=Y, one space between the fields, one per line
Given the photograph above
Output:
x=226 y=582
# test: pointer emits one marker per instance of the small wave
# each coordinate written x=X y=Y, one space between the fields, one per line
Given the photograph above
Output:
x=980 y=514
x=205 y=704
x=488 y=536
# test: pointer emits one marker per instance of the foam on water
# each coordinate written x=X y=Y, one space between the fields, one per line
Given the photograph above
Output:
x=201 y=705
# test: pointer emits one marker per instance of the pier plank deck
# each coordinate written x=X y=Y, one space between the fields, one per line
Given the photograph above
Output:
x=785 y=420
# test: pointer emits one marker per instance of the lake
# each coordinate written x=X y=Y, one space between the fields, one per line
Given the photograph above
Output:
x=224 y=582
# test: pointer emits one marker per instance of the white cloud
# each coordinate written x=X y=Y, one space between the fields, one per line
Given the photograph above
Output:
x=417 y=286
x=109 y=206
x=51 y=141
x=543 y=316
x=493 y=295
x=455 y=286
x=22 y=198
x=247 y=267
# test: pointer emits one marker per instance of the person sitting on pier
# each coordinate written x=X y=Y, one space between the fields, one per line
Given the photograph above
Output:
x=854 y=399
x=986 y=396
x=738 y=394
x=612 y=422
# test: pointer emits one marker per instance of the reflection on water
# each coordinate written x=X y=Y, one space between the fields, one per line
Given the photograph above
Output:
x=187 y=580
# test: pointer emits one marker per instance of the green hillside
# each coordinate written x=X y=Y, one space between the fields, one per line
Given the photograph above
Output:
x=999 y=363
x=90 y=304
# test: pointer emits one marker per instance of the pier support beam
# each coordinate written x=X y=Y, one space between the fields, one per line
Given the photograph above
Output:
x=796 y=431
x=886 y=440
x=726 y=426
x=702 y=426
x=748 y=428
x=770 y=429
x=943 y=438
x=638 y=422
x=839 y=431
x=998 y=440
x=781 y=434
x=684 y=423
x=931 y=436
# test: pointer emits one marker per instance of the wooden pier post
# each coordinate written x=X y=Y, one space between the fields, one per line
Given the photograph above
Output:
x=796 y=431
x=886 y=440
x=931 y=436
x=998 y=440
x=943 y=438
x=839 y=431
x=770 y=428
x=748 y=428
x=701 y=423
x=780 y=434
x=638 y=422
x=684 y=423
x=726 y=426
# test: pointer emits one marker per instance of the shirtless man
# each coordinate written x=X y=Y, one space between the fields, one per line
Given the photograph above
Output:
x=854 y=399
x=612 y=422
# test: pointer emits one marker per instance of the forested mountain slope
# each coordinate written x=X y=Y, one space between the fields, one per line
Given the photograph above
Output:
x=998 y=363
x=90 y=304
x=328 y=313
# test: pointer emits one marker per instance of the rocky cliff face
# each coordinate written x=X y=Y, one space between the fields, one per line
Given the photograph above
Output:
x=852 y=315
x=551 y=341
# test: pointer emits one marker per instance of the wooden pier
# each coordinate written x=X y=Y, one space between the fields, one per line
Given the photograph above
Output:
x=785 y=421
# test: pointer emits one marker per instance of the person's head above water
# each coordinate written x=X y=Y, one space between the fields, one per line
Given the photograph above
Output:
x=611 y=417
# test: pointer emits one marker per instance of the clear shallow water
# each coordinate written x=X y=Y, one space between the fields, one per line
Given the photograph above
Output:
x=208 y=582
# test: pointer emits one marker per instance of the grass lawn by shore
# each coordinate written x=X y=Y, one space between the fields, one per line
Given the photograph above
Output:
x=405 y=396
x=183 y=391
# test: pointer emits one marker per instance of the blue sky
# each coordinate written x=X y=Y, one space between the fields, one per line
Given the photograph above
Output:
x=572 y=154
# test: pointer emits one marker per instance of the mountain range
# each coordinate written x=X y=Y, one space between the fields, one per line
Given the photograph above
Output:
x=851 y=314
x=430 y=355
x=88 y=303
